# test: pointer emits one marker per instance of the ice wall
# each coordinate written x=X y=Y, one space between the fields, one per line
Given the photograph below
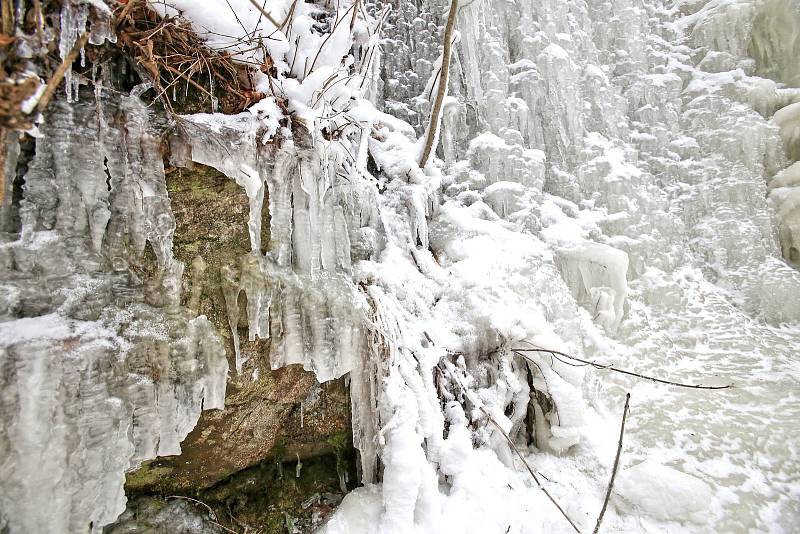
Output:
x=594 y=152
x=596 y=159
x=100 y=366
x=761 y=38
x=609 y=171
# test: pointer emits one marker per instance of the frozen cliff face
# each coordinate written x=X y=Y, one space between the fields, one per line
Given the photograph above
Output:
x=100 y=365
x=606 y=189
x=603 y=166
x=760 y=38
x=654 y=135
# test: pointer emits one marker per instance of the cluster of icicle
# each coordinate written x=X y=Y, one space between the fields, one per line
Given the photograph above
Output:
x=101 y=367
x=417 y=282
x=565 y=143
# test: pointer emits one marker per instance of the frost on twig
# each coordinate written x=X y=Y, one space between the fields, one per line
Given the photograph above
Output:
x=581 y=362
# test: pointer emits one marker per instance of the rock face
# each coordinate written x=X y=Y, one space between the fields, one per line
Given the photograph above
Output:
x=270 y=416
x=285 y=411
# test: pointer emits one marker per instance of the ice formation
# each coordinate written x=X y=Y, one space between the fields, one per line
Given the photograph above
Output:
x=100 y=366
x=617 y=180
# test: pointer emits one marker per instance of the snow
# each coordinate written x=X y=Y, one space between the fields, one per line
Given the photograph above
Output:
x=600 y=194
x=664 y=493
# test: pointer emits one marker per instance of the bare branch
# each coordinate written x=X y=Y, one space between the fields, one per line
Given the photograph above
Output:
x=433 y=126
x=596 y=365
x=530 y=469
x=616 y=464
x=265 y=13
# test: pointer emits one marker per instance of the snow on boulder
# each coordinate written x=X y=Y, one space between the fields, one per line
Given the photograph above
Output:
x=663 y=492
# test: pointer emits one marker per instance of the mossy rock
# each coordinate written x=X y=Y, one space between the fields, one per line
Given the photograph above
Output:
x=234 y=457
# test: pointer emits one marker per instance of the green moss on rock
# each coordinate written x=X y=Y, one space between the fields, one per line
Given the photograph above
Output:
x=233 y=459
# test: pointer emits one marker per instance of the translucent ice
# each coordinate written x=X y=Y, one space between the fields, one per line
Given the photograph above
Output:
x=100 y=366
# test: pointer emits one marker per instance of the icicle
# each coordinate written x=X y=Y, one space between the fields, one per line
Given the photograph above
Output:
x=230 y=291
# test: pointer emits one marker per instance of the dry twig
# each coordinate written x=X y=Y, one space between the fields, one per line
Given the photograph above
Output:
x=616 y=465
x=530 y=469
x=172 y=54
x=266 y=14
x=596 y=365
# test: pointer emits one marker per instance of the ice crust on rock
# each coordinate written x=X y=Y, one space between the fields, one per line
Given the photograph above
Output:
x=100 y=366
x=602 y=166
x=587 y=177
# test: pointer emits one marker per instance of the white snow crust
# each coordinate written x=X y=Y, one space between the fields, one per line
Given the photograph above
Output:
x=617 y=180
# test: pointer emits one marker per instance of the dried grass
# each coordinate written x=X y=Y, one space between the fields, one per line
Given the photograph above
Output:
x=178 y=61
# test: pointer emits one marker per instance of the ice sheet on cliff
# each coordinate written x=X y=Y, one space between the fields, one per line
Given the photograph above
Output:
x=605 y=161
x=594 y=198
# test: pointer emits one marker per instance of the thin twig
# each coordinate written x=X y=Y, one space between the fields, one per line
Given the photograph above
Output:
x=530 y=470
x=61 y=71
x=124 y=13
x=213 y=513
x=355 y=14
x=616 y=464
x=325 y=41
x=433 y=126
x=289 y=15
x=265 y=13
x=623 y=371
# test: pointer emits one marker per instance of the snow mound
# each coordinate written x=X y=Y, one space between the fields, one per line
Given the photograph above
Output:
x=664 y=493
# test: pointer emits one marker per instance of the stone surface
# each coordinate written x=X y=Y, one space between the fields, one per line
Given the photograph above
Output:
x=269 y=416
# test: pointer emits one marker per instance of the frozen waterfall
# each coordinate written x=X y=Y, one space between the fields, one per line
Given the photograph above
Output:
x=617 y=180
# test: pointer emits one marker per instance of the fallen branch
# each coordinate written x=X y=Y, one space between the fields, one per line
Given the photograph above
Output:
x=596 y=365
x=433 y=126
x=530 y=469
x=616 y=465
